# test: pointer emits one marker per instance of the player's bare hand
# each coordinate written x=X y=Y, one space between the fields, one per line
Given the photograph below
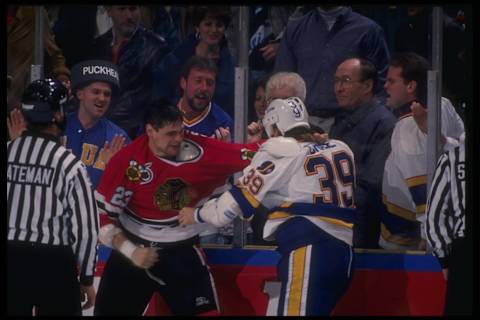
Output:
x=145 y=257
x=320 y=138
x=186 y=217
x=88 y=296
x=111 y=148
x=419 y=114
x=223 y=134
x=16 y=124
x=254 y=132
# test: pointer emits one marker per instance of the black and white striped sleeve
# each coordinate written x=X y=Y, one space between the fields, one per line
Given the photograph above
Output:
x=84 y=221
x=439 y=235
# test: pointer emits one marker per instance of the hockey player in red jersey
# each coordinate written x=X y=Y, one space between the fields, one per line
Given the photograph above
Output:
x=143 y=187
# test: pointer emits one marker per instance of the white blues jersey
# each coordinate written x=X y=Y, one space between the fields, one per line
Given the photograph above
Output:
x=405 y=179
x=293 y=179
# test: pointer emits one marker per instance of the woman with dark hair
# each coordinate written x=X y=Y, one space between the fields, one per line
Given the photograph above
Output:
x=208 y=41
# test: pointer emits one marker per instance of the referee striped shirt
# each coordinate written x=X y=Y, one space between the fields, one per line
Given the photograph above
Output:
x=446 y=203
x=50 y=199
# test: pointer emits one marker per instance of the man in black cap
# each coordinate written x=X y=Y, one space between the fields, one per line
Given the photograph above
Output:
x=51 y=213
x=89 y=134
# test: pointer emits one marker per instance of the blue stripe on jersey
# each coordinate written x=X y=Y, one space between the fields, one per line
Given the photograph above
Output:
x=246 y=206
x=400 y=226
x=419 y=194
x=323 y=210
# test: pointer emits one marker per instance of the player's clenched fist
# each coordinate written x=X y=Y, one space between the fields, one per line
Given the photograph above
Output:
x=144 y=257
x=186 y=216
x=254 y=132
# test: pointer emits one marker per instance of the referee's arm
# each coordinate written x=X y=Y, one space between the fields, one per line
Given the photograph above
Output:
x=438 y=230
x=84 y=221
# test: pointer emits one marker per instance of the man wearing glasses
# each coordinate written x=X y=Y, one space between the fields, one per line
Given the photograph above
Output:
x=366 y=126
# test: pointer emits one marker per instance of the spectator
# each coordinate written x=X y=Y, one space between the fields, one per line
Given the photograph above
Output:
x=200 y=113
x=311 y=223
x=283 y=85
x=142 y=189
x=259 y=99
x=136 y=52
x=366 y=127
x=51 y=213
x=210 y=23
x=316 y=43
x=88 y=134
x=447 y=233
x=20 y=51
x=280 y=85
x=404 y=185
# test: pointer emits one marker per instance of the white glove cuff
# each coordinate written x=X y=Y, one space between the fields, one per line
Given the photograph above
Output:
x=127 y=248
x=106 y=234
x=197 y=217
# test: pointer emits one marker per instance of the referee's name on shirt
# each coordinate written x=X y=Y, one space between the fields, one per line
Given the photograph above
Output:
x=29 y=174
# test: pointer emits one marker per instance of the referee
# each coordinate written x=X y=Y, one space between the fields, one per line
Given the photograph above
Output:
x=446 y=230
x=52 y=217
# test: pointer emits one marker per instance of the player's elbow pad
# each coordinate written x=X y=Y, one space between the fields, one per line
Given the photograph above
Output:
x=106 y=234
x=220 y=211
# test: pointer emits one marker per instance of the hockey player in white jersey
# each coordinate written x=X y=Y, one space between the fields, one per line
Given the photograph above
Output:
x=308 y=191
x=404 y=184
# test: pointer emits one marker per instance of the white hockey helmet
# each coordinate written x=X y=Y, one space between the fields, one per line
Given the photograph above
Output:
x=286 y=114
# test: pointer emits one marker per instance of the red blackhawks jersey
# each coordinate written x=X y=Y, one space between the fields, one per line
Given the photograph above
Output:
x=144 y=192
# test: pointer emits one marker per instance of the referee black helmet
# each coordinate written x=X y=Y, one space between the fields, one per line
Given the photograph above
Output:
x=41 y=99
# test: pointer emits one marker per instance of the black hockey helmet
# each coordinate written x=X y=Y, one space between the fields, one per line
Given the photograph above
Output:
x=42 y=98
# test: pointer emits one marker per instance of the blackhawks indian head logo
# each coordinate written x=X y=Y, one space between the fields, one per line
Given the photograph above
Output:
x=174 y=194
x=247 y=154
x=137 y=172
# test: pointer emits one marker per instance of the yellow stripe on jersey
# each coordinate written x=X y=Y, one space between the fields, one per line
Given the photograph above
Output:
x=399 y=211
x=296 y=285
x=195 y=119
x=281 y=215
x=421 y=208
x=386 y=235
x=251 y=199
x=278 y=215
x=416 y=181
x=286 y=204
x=337 y=222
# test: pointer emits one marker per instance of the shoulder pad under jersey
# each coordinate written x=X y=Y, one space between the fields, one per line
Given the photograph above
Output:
x=280 y=147
x=189 y=151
